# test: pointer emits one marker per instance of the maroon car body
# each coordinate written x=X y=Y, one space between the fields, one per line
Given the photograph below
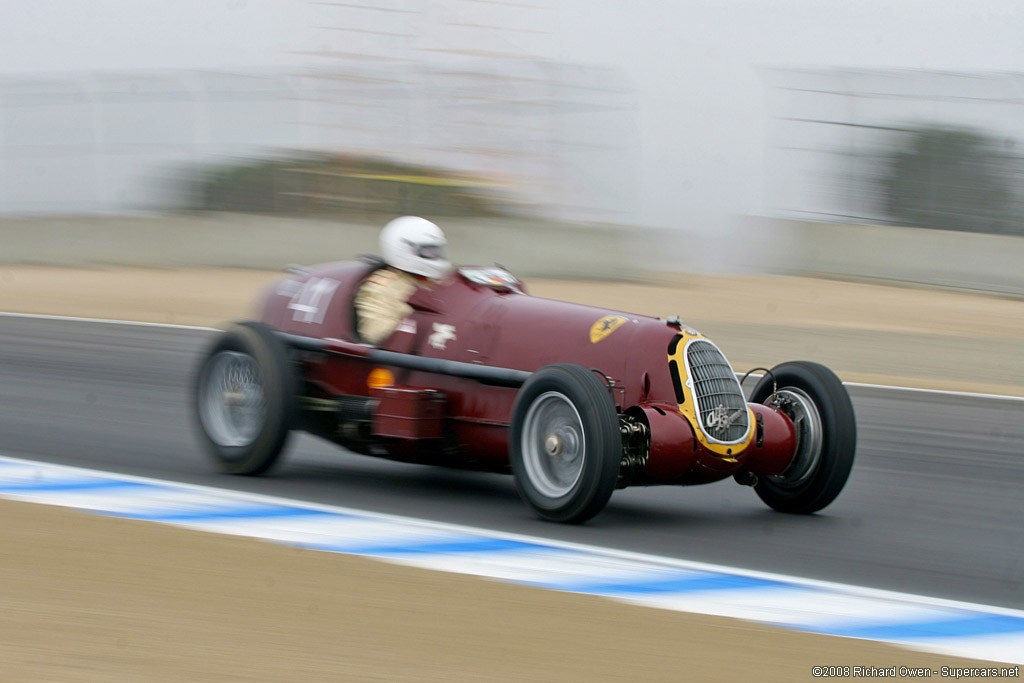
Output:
x=447 y=388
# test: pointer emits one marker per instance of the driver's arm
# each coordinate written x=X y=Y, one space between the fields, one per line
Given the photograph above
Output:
x=381 y=304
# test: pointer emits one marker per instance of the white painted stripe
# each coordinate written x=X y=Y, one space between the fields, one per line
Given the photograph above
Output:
x=320 y=532
x=796 y=607
x=93 y=501
x=920 y=390
x=947 y=392
x=542 y=566
x=109 y=321
x=993 y=648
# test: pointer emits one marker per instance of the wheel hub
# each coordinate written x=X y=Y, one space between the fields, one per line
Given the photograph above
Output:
x=802 y=410
x=234 y=397
x=554 y=445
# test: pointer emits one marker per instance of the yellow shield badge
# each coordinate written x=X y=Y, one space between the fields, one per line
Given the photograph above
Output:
x=605 y=326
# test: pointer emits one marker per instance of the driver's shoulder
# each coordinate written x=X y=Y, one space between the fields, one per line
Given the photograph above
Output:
x=387 y=278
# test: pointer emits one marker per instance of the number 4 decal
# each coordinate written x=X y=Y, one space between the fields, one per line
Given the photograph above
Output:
x=310 y=303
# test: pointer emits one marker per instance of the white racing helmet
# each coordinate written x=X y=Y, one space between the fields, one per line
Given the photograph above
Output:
x=415 y=245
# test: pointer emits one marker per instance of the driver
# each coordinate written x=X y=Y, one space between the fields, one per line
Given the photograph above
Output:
x=414 y=250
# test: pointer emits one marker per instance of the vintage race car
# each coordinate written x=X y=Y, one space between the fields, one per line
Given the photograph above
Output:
x=574 y=401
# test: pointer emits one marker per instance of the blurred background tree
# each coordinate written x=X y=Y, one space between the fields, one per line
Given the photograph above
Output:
x=952 y=179
x=354 y=187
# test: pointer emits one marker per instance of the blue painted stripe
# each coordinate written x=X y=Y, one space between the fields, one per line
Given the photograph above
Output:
x=971 y=625
x=686 y=583
x=220 y=513
x=457 y=545
x=76 y=485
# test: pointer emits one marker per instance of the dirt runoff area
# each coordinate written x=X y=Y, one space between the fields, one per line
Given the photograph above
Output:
x=85 y=598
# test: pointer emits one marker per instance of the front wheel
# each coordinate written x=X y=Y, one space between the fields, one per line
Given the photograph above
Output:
x=245 y=399
x=826 y=436
x=565 y=444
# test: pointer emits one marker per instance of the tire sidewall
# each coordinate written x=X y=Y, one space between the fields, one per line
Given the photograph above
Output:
x=590 y=398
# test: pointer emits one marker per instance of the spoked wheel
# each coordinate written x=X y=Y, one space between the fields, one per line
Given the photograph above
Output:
x=565 y=443
x=826 y=436
x=245 y=399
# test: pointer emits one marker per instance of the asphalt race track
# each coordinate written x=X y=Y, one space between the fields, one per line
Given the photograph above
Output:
x=934 y=505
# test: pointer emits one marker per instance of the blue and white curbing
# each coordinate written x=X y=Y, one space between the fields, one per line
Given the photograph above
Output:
x=916 y=622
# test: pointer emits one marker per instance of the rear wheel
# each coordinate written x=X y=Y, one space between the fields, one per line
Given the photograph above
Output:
x=245 y=399
x=565 y=445
x=826 y=428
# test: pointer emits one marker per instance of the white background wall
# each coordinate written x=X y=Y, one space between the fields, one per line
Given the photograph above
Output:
x=700 y=111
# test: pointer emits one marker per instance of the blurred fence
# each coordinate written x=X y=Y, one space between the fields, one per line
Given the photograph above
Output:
x=533 y=248
x=944 y=258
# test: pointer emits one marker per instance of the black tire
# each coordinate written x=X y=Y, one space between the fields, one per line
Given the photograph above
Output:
x=260 y=362
x=568 y=409
x=823 y=461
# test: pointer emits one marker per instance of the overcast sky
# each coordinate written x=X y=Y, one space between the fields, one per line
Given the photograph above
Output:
x=695 y=65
